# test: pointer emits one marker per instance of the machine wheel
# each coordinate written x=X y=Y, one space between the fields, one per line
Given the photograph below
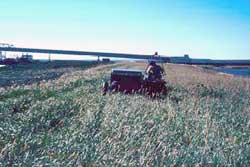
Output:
x=105 y=88
x=114 y=86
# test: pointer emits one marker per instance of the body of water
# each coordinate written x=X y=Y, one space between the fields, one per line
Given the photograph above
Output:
x=243 y=72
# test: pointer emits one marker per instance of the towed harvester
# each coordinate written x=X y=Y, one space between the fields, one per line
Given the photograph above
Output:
x=134 y=81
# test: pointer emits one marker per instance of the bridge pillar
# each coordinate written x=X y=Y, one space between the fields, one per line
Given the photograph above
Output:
x=49 y=57
x=2 y=55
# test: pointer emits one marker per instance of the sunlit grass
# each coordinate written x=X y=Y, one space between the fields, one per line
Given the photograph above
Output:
x=203 y=121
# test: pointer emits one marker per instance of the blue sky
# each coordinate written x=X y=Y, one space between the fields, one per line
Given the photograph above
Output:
x=218 y=29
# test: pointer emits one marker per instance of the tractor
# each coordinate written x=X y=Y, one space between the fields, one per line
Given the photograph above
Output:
x=134 y=81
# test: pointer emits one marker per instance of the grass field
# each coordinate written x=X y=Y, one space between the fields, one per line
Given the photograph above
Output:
x=32 y=73
x=63 y=120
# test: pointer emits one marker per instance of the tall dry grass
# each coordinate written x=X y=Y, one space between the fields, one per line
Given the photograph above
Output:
x=203 y=121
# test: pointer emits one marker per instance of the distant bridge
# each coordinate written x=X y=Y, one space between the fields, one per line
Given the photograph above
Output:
x=176 y=60
x=85 y=53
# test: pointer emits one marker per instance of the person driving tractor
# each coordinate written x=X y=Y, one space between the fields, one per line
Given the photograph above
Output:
x=154 y=71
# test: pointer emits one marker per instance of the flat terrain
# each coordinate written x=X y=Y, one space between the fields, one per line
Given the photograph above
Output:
x=32 y=73
x=64 y=121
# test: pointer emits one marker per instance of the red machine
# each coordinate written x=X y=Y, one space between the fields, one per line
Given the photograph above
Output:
x=134 y=81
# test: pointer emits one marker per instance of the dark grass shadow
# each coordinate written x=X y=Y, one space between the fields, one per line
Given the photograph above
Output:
x=25 y=74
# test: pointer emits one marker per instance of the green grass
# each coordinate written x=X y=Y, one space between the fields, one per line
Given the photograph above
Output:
x=36 y=72
x=65 y=122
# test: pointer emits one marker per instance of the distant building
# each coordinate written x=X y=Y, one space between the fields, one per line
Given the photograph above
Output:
x=25 y=59
x=106 y=60
x=186 y=56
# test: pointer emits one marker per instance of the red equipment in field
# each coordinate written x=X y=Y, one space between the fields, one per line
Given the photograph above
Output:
x=134 y=81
